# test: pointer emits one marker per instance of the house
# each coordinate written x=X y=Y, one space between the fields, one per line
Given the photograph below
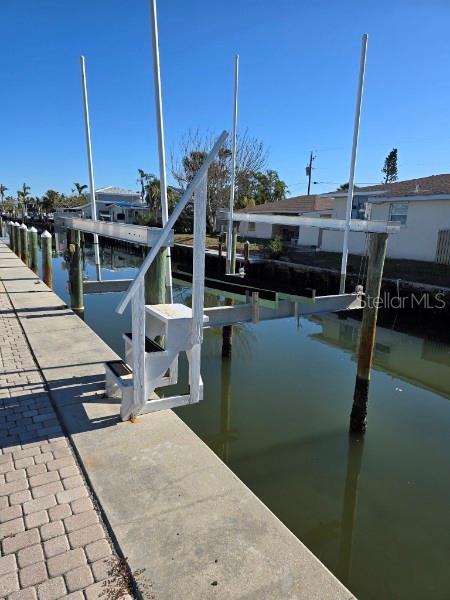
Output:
x=116 y=204
x=311 y=206
x=420 y=206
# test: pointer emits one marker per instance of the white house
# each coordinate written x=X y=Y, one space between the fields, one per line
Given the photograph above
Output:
x=311 y=206
x=116 y=204
x=420 y=206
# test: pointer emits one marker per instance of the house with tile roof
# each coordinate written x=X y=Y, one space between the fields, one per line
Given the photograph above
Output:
x=420 y=206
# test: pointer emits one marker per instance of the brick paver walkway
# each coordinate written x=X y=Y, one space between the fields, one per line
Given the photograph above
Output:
x=53 y=544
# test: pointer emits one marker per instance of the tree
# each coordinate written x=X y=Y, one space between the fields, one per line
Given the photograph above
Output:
x=50 y=200
x=80 y=188
x=390 y=169
x=343 y=187
x=3 y=189
x=252 y=180
x=142 y=180
x=22 y=197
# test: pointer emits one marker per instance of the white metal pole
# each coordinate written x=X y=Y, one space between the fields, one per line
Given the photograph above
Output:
x=161 y=147
x=351 y=180
x=233 y=165
x=87 y=127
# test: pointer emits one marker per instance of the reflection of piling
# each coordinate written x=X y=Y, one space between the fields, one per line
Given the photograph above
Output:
x=377 y=253
x=349 y=508
x=33 y=245
x=46 y=241
x=246 y=252
x=225 y=410
x=227 y=334
x=75 y=272
x=23 y=232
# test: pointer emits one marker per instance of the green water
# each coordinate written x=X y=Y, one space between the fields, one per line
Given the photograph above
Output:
x=376 y=512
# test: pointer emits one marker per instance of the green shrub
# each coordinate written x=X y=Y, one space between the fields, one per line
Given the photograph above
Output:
x=275 y=247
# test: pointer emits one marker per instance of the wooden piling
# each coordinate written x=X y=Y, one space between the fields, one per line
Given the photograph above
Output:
x=46 y=241
x=377 y=252
x=75 y=272
x=23 y=232
x=233 y=249
x=1 y=226
x=246 y=252
x=16 y=236
x=33 y=249
x=11 y=235
x=155 y=280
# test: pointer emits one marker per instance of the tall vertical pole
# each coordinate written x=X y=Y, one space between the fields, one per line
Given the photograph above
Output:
x=351 y=180
x=230 y=268
x=161 y=146
x=87 y=127
x=309 y=171
x=377 y=253
x=75 y=273
x=23 y=232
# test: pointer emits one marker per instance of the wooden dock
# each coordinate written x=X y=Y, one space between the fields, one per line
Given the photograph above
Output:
x=171 y=506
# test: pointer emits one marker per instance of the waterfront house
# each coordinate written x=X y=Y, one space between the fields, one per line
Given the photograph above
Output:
x=311 y=206
x=420 y=206
x=117 y=205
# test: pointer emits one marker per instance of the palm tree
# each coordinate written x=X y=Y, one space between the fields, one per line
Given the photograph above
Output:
x=80 y=188
x=22 y=196
x=3 y=189
x=142 y=180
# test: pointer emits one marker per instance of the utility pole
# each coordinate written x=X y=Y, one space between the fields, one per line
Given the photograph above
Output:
x=309 y=169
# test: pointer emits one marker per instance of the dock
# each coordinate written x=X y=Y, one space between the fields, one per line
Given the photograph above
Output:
x=154 y=492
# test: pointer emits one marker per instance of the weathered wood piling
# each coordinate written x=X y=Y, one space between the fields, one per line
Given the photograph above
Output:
x=23 y=232
x=47 y=275
x=227 y=334
x=155 y=280
x=75 y=272
x=33 y=246
x=377 y=252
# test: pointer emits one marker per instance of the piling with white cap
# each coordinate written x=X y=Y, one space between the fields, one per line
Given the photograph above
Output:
x=46 y=241
x=23 y=232
x=33 y=249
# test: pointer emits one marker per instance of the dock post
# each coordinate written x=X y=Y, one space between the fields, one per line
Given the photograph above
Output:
x=23 y=232
x=155 y=280
x=377 y=252
x=246 y=252
x=233 y=249
x=46 y=240
x=11 y=235
x=16 y=237
x=1 y=226
x=75 y=272
x=33 y=244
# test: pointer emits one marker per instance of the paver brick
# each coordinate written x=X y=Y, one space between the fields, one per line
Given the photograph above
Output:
x=83 y=537
x=15 y=486
x=24 y=462
x=30 y=555
x=52 y=589
x=20 y=497
x=36 y=470
x=60 y=511
x=27 y=594
x=79 y=578
x=81 y=520
x=10 y=512
x=51 y=530
x=21 y=540
x=62 y=563
x=81 y=505
x=69 y=472
x=72 y=482
x=60 y=463
x=26 y=453
x=56 y=545
x=39 y=504
x=47 y=489
x=14 y=475
x=11 y=527
x=9 y=583
x=43 y=478
x=100 y=569
x=33 y=574
x=70 y=495
x=97 y=550
x=36 y=519
x=7 y=564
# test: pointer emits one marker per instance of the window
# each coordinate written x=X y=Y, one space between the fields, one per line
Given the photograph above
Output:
x=398 y=212
x=251 y=227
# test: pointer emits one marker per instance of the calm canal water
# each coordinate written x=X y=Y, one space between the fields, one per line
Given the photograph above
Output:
x=376 y=512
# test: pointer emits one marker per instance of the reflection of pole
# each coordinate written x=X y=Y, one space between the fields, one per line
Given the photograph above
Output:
x=87 y=126
x=225 y=409
x=230 y=238
x=227 y=334
x=351 y=181
x=161 y=148
x=349 y=508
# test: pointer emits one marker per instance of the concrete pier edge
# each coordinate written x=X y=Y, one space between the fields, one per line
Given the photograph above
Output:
x=172 y=507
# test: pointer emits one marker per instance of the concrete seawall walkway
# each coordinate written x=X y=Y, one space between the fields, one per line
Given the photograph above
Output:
x=171 y=506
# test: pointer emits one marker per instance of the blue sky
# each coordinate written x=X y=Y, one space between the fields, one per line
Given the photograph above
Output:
x=299 y=64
